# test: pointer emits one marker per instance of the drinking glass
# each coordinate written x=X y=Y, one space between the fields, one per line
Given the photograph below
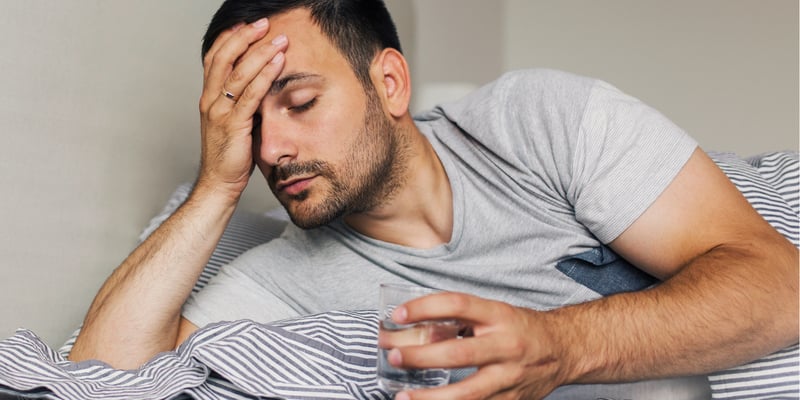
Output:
x=392 y=335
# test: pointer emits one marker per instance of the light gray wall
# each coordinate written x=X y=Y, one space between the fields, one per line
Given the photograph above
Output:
x=724 y=70
x=457 y=41
x=98 y=106
x=98 y=112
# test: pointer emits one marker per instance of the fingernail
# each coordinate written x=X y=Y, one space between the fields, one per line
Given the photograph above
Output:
x=402 y=396
x=277 y=59
x=261 y=23
x=237 y=26
x=279 y=40
x=394 y=357
x=400 y=314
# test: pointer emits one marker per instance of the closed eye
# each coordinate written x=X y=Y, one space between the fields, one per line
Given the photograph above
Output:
x=304 y=107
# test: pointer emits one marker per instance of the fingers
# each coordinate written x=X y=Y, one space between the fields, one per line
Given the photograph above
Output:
x=456 y=353
x=501 y=332
x=218 y=43
x=496 y=381
x=469 y=309
x=481 y=385
x=236 y=58
x=515 y=355
x=257 y=57
x=255 y=90
x=231 y=44
x=228 y=48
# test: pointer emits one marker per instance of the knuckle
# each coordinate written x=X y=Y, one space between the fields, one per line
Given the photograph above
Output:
x=246 y=95
x=215 y=113
x=221 y=58
x=460 y=303
x=217 y=57
x=515 y=346
x=516 y=375
x=205 y=103
x=506 y=310
x=236 y=75
x=208 y=59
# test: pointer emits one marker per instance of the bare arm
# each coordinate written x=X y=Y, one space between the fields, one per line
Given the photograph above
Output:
x=730 y=296
x=137 y=312
x=731 y=289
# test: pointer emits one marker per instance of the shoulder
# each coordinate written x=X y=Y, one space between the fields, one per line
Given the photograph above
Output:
x=541 y=86
x=543 y=79
x=529 y=96
x=523 y=106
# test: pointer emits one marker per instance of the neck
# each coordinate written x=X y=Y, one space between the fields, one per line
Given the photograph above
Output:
x=420 y=213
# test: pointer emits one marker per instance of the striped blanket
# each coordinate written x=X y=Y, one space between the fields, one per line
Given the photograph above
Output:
x=332 y=355
x=771 y=183
x=326 y=356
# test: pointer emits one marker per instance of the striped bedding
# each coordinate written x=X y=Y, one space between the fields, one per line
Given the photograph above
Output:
x=771 y=183
x=327 y=356
x=331 y=355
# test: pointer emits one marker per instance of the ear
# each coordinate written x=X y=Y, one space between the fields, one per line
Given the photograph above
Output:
x=392 y=80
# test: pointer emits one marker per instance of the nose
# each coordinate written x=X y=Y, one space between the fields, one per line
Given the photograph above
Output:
x=275 y=144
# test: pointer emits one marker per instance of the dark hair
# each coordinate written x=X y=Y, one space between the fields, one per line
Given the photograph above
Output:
x=358 y=28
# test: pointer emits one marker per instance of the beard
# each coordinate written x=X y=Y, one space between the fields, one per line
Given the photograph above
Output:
x=373 y=171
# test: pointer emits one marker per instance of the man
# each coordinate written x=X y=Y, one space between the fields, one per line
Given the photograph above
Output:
x=494 y=195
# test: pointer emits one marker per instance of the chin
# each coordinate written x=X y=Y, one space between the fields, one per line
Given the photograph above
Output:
x=304 y=221
x=308 y=215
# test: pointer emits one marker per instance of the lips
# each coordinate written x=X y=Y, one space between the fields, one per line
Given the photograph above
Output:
x=294 y=186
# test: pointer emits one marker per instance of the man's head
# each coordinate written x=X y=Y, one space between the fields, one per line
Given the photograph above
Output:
x=358 y=28
x=330 y=136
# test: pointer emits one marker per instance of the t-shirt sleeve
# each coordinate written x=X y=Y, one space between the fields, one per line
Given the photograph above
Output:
x=586 y=151
x=625 y=155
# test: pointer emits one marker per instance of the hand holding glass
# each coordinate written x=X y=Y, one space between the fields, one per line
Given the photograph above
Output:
x=392 y=335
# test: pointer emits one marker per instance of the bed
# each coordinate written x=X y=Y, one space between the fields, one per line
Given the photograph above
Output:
x=332 y=355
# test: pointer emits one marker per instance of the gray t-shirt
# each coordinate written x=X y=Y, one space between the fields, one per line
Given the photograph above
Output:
x=543 y=165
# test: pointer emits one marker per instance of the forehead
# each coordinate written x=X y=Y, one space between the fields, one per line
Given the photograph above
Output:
x=309 y=50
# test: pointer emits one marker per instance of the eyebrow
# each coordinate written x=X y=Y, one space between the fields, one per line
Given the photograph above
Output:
x=279 y=84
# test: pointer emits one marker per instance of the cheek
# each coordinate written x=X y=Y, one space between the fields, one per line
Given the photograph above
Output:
x=334 y=133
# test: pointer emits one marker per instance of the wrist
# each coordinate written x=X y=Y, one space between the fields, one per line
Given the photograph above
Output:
x=224 y=194
x=216 y=201
x=579 y=358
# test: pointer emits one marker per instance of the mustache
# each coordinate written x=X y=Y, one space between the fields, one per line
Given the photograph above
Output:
x=284 y=172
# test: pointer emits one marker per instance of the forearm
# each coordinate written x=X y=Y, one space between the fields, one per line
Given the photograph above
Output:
x=727 y=307
x=136 y=313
